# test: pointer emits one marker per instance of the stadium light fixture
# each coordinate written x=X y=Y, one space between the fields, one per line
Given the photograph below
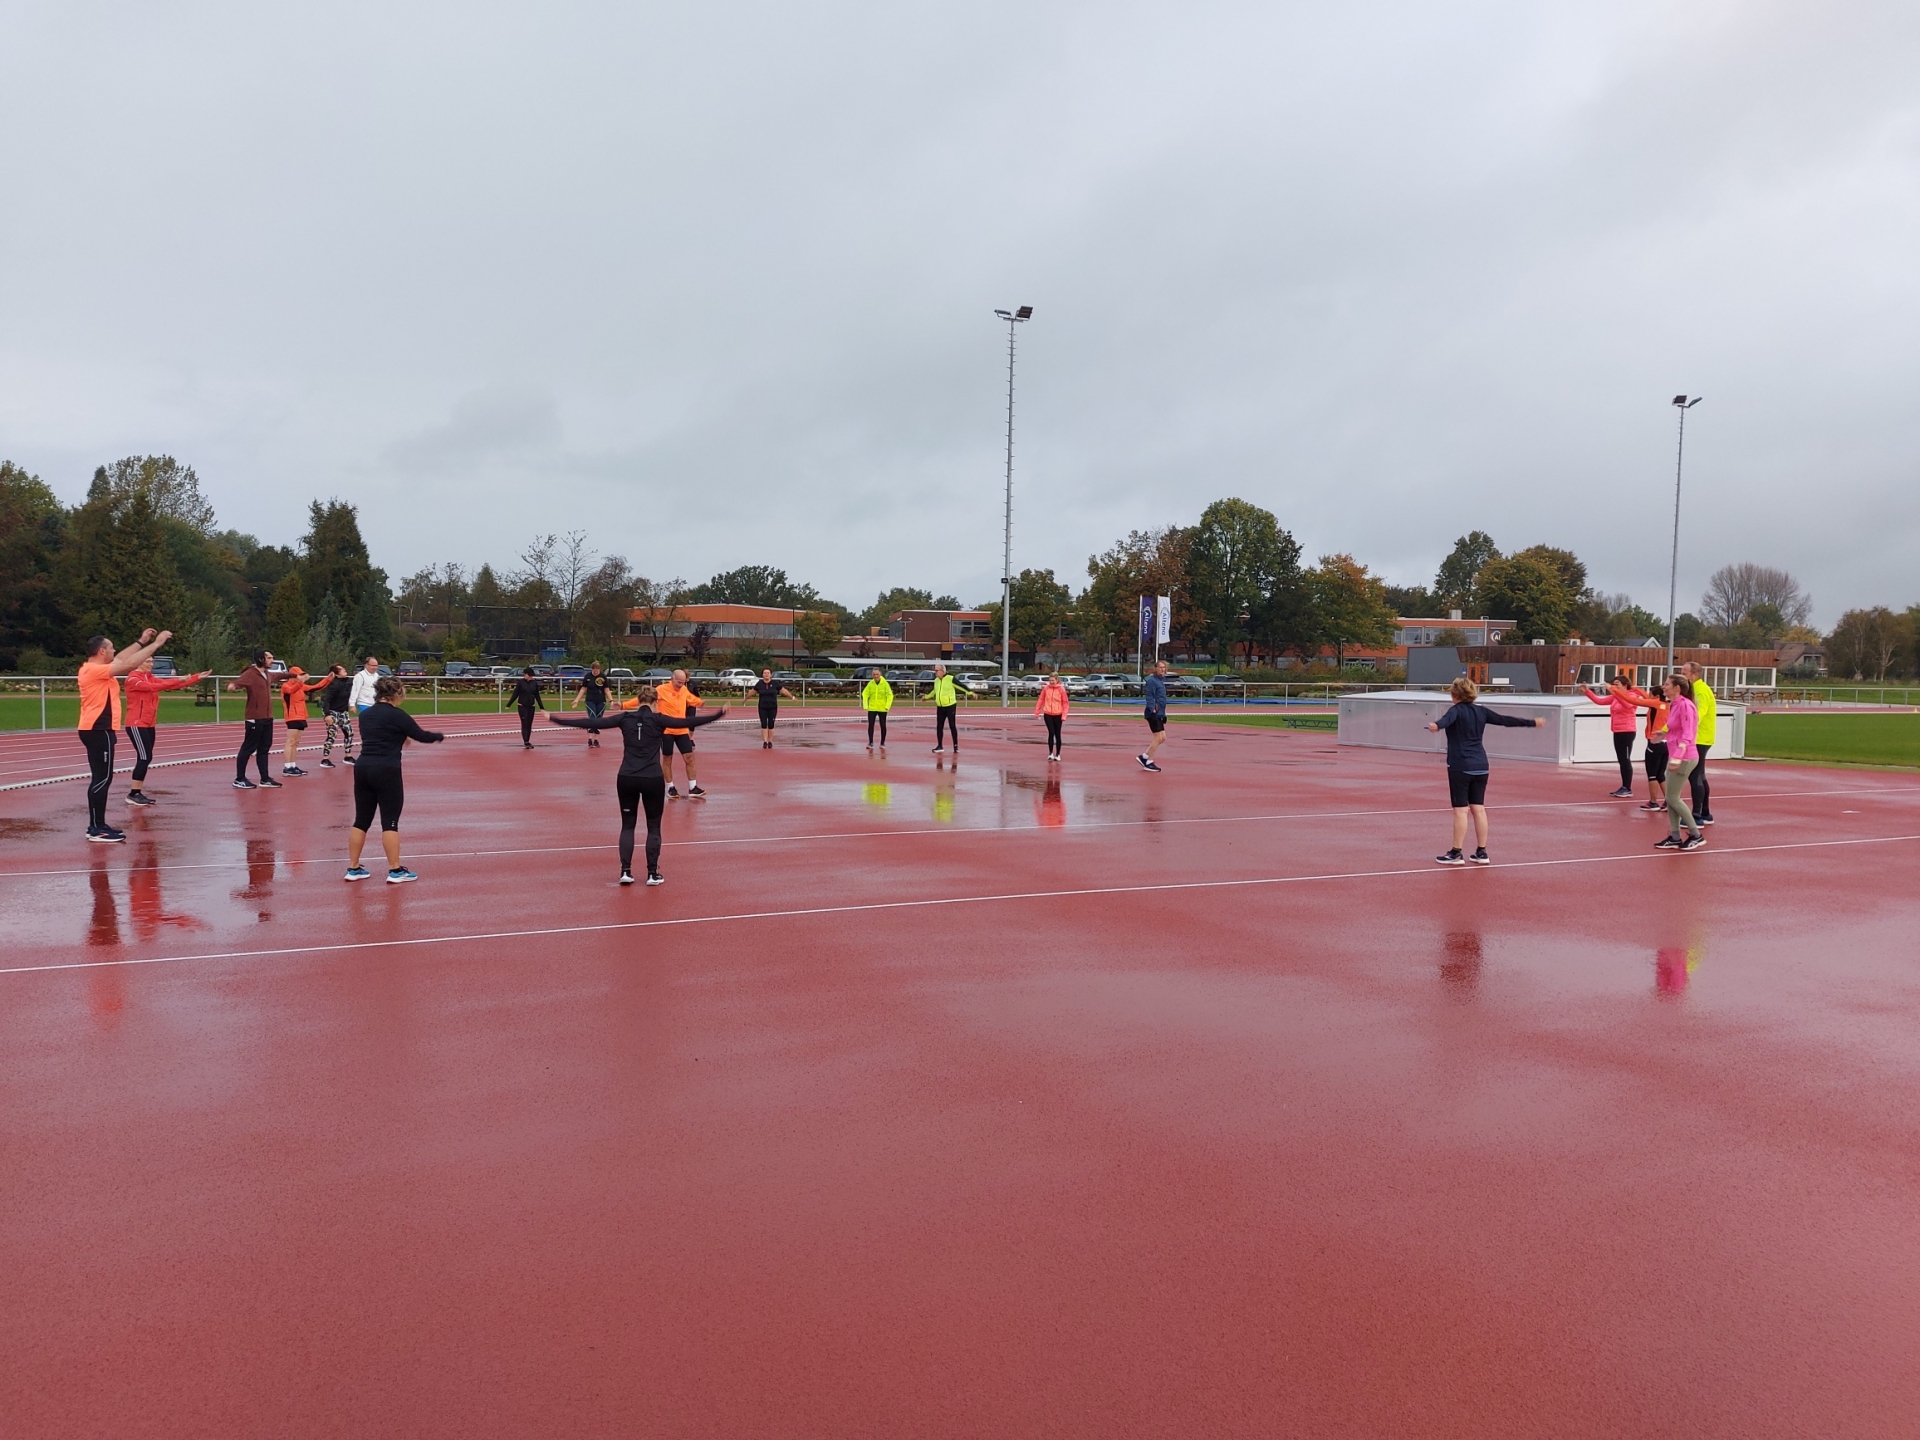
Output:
x=1013 y=318
x=1682 y=404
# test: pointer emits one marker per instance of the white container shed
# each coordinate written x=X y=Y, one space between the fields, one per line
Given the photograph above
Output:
x=1577 y=731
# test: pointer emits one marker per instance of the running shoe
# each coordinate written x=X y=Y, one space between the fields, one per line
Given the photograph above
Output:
x=626 y=877
x=326 y=764
x=1149 y=765
x=349 y=760
x=1672 y=842
x=939 y=749
x=1452 y=857
x=1625 y=792
x=1654 y=805
x=656 y=878
x=400 y=876
x=291 y=770
x=243 y=785
x=673 y=792
x=139 y=797
x=1694 y=842
x=359 y=872
x=1704 y=819
x=1480 y=857
x=106 y=835
x=696 y=792
x=267 y=782
x=1144 y=762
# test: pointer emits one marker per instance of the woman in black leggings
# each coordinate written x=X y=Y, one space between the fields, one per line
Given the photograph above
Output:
x=384 y=730
x=640 y=781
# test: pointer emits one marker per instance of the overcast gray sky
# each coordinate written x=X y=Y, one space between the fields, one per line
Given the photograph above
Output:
x=715 y=282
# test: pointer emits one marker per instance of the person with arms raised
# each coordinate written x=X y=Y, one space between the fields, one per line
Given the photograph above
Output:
x=100 y=719
x=143 y=718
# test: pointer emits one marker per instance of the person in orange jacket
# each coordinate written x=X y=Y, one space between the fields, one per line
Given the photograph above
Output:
x=143 y=715
x=1656 y=708
x=1052 y=708
x=293 y=701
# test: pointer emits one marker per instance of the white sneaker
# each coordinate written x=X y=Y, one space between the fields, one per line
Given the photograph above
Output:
x=656 y=878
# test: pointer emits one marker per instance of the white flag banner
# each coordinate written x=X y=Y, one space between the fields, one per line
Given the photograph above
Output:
x=1163 y=618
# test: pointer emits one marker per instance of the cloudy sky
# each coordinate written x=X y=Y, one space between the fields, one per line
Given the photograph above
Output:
x=716 y=282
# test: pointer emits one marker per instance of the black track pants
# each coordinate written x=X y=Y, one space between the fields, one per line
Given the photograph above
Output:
x=1623 y=752
x=259 y=743
x=944 y=723
x=1702 y=795
x=140 y=737
x=99 y=745
x=526 y=727
x=634 y=792
x=881 y=716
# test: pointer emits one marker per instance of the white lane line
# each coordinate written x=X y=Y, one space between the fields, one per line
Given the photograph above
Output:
x=239 y=863
x=1004 y=898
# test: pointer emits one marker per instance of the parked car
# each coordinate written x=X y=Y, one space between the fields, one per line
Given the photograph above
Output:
x=825 y=679
x=974 y=683
x=500 y=672
x=620 y=672
x=277 y=666
x=542 y=672
x=789 y=677
x=1107 y=683
x=693 y=675
x=163 y=665
x=411 y=667
x=457 y=668
x=655 y=675
x=1076 y=684
x=572 y=672
x=739 y=677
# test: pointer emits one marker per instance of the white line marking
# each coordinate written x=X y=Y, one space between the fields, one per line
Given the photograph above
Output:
x=1005 y=898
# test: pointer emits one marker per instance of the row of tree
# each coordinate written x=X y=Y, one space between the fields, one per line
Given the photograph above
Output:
x=143 y=549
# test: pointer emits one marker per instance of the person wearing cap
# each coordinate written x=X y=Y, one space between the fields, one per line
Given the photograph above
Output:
x=293 y=703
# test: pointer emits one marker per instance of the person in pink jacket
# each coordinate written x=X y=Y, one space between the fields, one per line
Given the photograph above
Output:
x=1052 y=708
x=1624 y=704
x=1683 y=723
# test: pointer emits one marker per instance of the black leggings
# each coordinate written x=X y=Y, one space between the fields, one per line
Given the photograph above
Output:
x=881 y=716
x=526 y=726
x=635 y=791
x=944 y=723
x=1053 y=732
x=1697 y=783
x=99 y=745
x=1657 y=761
x=768 y=715
x=377 y=786
x=258 y=742
x=141 y=738
x=1623 y=752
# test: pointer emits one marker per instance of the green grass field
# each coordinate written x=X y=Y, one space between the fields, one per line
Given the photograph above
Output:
x=1266 y=721
x=1836 y=739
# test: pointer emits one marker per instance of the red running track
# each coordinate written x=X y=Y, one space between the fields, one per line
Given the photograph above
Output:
x=957 y=1100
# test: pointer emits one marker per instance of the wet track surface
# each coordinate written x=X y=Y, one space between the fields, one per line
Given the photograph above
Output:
x=961 y=1099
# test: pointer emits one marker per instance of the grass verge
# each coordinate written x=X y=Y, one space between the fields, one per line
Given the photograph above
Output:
x=1836 y=739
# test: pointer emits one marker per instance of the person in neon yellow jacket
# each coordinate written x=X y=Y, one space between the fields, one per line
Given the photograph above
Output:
x=946 y=704
x=877 y=700
x=1709 y=707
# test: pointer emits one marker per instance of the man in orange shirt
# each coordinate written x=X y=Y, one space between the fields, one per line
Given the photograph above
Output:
x=673 y=700
x=293 y=701
x=99 y=679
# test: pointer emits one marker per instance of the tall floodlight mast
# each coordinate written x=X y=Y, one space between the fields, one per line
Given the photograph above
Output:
x=1673 y=574
x=1013 y=318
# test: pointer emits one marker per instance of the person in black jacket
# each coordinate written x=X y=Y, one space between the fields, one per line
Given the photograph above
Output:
x=336 y=704
x=1467 y=767
x=593 y=690
x=641 y=780
x=384 y=729
x=526 y=699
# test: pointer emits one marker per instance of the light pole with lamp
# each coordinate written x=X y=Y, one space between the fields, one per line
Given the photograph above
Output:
x=1683 y=404
x=1013 y=318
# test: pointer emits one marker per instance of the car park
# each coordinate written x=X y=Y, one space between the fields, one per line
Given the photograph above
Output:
x=501 y=672
x=703 y=675
x=1107 y=683
x=789 y=677
x=656 y=675
x=975 y=683
x=456 y=669
x=825 y=679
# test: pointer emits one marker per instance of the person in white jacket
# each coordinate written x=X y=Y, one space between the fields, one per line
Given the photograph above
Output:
x=362 y=697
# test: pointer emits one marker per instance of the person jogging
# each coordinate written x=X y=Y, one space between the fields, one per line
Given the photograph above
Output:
x=946 y=706
x=1052 y=708
x=366 y=683
x=293 y=709
x=1623 y=704
x=143 y=716
x=1156 y=712
x=335 y=703
x=1707 y=705
x=1683 y=755
x=258 y=739
x=593 y=694
x=385 y=730
x=526 y=699
x=100 y=720
x=675 y=703
x=641 y=782
x=771 y=692
x=876 y=698
x=1468 y=767
x=1656 y=708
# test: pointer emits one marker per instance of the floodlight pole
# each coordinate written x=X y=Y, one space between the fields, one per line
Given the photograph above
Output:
x=1683 y=404
x=1013 y=318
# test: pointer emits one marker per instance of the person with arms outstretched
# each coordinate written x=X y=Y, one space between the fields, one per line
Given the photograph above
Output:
x=771 y=692
x=293 y=706
x=258 y=739
x=676 y=704
x=1468 y=767
x=593 y=695
x=641 y=782
x=385 y=730
x=144 y=689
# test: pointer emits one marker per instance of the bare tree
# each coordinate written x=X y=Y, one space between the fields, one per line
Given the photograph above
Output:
x=660 y=606
x=1733 y=591
x=572 y=564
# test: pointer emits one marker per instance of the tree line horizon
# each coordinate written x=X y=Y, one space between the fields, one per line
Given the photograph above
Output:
x=143 y=549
